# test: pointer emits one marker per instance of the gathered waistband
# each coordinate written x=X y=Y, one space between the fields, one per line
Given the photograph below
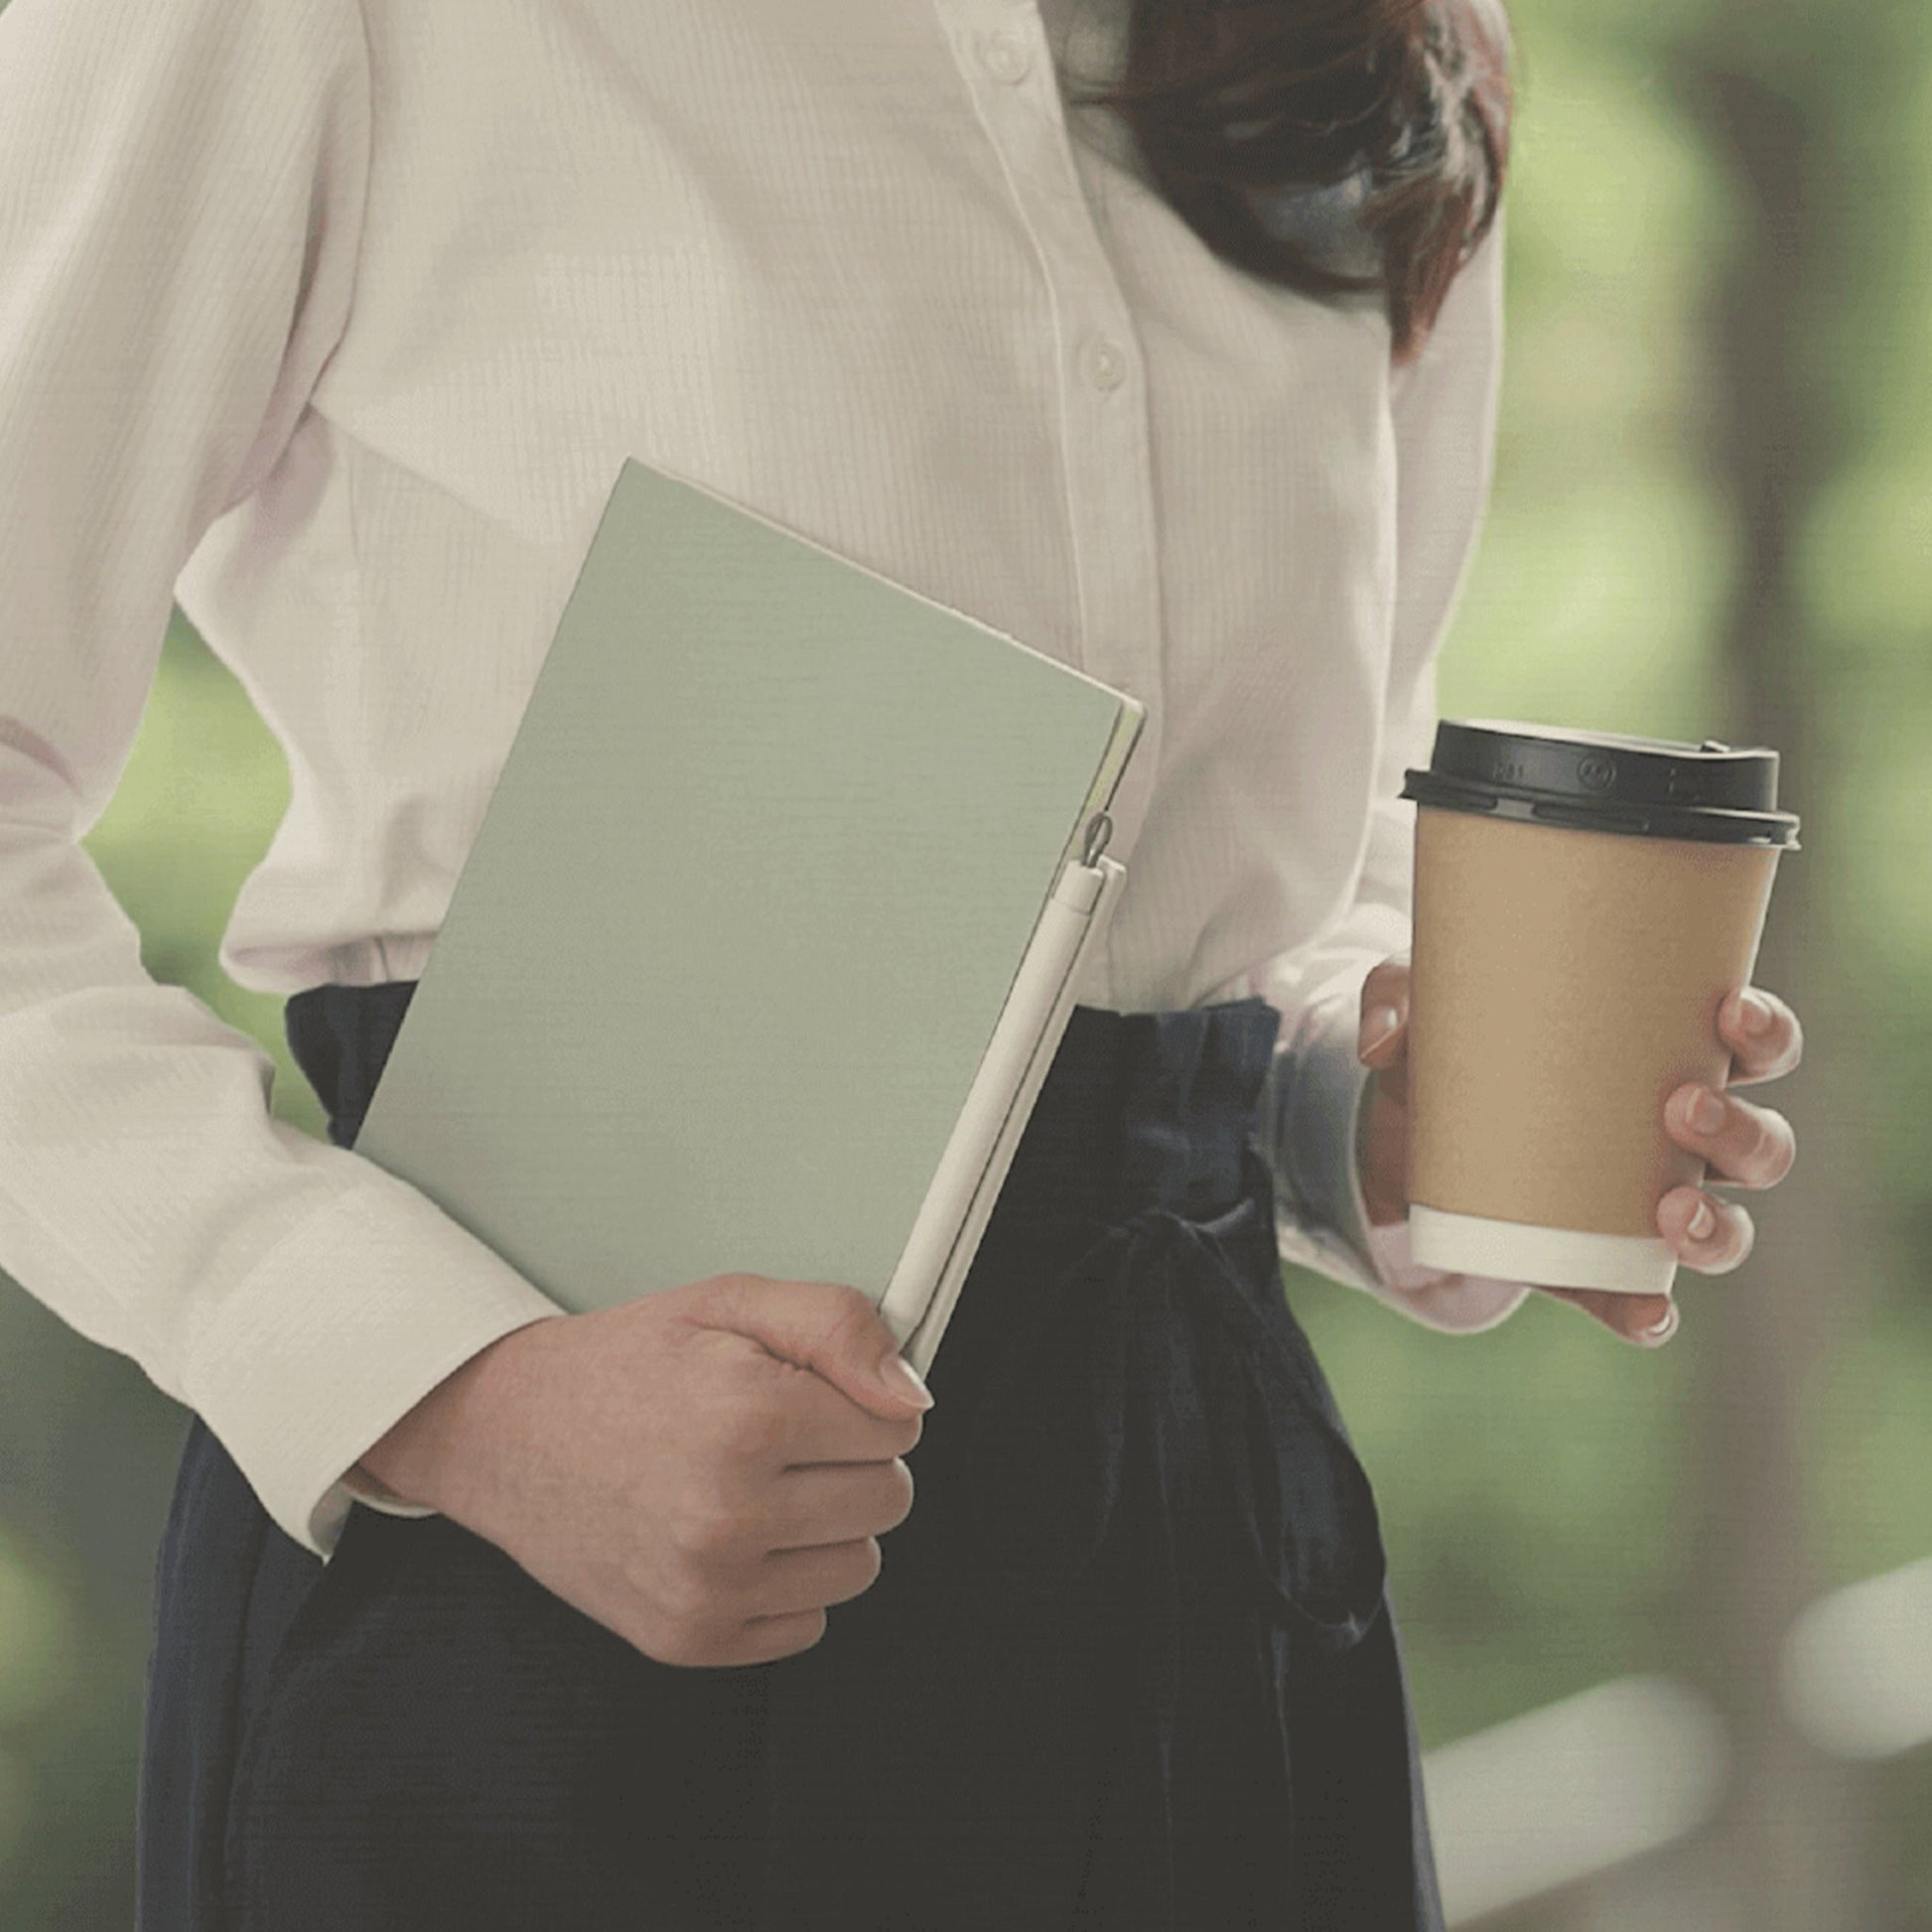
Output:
x=1138 y=1109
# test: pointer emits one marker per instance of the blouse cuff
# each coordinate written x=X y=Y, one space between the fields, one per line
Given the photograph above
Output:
x=370 y=1490
x=352 y=1316
x=1315 y=1102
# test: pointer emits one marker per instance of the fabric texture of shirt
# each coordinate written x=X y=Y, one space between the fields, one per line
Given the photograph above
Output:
x=335 y=319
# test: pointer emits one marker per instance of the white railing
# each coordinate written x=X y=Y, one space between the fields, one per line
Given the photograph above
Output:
x=1570 y=1790
x=1856 y=1676
x=1631 y=1766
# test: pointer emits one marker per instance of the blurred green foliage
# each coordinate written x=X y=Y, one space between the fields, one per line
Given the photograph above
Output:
x=1528 y=1478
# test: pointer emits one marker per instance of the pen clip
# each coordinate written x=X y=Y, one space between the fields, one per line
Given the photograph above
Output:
x=1100 y=828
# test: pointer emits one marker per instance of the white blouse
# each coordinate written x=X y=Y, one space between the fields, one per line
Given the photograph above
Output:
x=335 y=320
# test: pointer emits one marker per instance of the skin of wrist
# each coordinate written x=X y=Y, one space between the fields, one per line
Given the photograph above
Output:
x=419 y=1457
x=1380 y=1156
x=396 y=1460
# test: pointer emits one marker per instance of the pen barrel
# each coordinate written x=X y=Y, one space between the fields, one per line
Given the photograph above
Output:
x=1029 y=1006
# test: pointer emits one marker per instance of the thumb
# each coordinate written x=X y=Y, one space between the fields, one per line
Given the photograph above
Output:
x=1384 y=1011
x=1381 y=1023
x=825 y=1326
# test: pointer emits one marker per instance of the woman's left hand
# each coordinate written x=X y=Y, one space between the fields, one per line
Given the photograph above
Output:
x=1747 y=1146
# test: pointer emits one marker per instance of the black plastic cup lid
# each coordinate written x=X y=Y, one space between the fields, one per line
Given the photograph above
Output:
x=1605 y=782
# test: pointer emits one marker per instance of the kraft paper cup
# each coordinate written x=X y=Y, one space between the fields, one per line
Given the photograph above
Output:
x=1567 y=965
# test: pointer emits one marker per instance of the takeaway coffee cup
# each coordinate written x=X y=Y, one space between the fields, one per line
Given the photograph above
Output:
x=1583 y=903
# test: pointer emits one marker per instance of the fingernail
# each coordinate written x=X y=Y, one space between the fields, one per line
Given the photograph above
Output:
x=903 y=1379
x=1754 y=1013
x=1664 y=1329
x=1378 y=1027
x=1703 y=1221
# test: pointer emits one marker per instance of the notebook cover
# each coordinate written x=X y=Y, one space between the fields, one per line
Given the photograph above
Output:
x=740 y=914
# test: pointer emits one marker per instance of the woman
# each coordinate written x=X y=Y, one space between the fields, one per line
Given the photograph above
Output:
x=335 y=320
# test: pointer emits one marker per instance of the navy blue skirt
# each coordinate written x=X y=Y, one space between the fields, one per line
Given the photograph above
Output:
x=1129 y=1665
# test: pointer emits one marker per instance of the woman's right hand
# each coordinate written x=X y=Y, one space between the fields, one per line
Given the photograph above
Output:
x=702 y=1470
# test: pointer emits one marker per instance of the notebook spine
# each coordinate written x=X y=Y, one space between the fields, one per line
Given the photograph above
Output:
x=1055 y=942
x=1105 y=878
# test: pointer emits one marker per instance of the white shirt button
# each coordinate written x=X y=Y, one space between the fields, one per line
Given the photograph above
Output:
x=1106 y=365
x=1005 y=56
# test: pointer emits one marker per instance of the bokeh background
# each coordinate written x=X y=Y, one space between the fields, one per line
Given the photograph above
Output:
x=1669 y=1617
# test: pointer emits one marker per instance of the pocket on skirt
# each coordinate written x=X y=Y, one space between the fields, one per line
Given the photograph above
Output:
x=441 y=1741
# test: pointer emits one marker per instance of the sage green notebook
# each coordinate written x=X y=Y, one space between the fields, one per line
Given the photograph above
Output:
x=719 y=978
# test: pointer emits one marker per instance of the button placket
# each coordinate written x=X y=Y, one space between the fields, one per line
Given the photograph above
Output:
x=1103 y=418
x=1104 y=363
x=1005 y=56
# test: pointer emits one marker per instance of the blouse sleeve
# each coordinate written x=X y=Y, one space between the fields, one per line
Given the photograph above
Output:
x=180 y=193
x=1444 y=408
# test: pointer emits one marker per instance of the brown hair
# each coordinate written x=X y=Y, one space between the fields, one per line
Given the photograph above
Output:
x=1236 y=103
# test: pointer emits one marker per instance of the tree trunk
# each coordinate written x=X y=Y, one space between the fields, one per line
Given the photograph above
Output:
x=1784 y=1853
